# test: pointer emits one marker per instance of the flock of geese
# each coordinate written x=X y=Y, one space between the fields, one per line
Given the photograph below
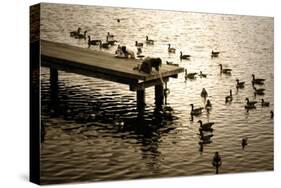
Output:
x=205 y=130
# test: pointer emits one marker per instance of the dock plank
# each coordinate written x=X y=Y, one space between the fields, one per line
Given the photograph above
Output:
x=73 y=57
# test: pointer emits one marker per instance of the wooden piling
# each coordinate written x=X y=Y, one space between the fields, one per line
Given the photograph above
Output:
x=140 y=100
x=159 y=95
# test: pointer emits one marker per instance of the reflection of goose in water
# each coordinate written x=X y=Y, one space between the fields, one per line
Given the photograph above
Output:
x=258 y=81
x=208 y=105
x=204 y=136
x=196 y=111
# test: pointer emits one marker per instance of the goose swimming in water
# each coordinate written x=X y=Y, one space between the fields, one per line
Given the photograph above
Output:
x=244 y=142
x=258 y=81
x=229 y=98
x=250 y=103
x=149 y=41
x=195 y=111
x=184 y=56
x=104 y=45
x=206 y=126
x=217 y=160
x=264 y=104
x=171 y=50
x=109 y=35
x=75 y=33
x=215 y=53
x=225 y=71
x=190 y=76
x=204 y=136
x=204 y=93
x=202 y=75
x=239 y=84
x=93 y=42
x=138 y=44
x=81 y=36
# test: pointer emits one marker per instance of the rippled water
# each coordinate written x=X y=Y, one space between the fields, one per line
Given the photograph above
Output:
x=84 y=141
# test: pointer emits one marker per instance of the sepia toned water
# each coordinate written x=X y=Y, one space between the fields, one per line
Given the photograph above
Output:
x=85 y=141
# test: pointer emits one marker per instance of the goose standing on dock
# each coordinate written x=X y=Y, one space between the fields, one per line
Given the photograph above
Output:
x=93 y=42
x=184 y=56
x=225 y=71
x=229 y=97
x=75 y=33
x=239 y=85
x=215 y=53
x=258 y=81
x=204 y=93
x=149 y=41
x=196 y=111
x=264 y=104
x=171 y=50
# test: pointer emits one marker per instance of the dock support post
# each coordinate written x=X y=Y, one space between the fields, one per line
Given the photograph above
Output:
x=54 y=89
x=159 y=96
x=140 y=101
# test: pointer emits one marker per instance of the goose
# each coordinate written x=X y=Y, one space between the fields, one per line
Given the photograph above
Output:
x=264 y=104
x=171 y=50
x=244 y=142
x=189 y=75
x=225 y=71
x=229 y=98
x=195 y=111
x=104 y=45
x=258 y=81
x=111 y=42
x=208 y=106
x=202 y=75
x=216 y=160
x=215 y=53
x=75 y=33
x=184 y=56
x=250 y=103
x=138 y=44
x=239 y=84
x=93 y=42
x=81 y=36
x=149 y=41
x=204 y=93
x=109 y=35
x=206 y=126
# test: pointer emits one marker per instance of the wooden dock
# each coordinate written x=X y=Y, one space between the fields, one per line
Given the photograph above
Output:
x=99 y=64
